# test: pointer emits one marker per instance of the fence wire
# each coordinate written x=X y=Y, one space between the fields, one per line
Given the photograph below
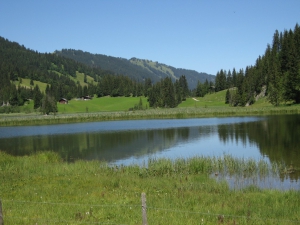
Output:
x=56 y=220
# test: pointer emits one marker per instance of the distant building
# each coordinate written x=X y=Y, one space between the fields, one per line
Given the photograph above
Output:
x=86 y=97
x=63 y=101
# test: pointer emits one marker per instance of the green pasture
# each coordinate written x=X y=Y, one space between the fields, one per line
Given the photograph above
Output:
x=214 y=99
x=218 y=100
x=122 y=108
x=103 y=104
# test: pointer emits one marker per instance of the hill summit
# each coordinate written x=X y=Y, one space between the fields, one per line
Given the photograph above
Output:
x=138 y=69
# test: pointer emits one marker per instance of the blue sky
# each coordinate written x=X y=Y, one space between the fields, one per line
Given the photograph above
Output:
x=201 y=35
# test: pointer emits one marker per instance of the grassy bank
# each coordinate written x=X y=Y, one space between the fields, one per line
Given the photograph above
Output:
x=108 y=108
x=41 y=189
x=181 y=112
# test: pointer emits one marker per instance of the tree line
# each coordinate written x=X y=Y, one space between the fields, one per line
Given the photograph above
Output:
x=277 y=73
x=166 y=94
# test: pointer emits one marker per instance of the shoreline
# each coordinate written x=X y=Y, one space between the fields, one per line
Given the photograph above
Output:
x=168 y=113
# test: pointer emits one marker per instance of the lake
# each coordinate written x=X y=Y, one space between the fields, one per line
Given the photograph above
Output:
x=272 y=138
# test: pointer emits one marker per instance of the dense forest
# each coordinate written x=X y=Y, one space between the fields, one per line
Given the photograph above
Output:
x=59 y=73
x=276 y=74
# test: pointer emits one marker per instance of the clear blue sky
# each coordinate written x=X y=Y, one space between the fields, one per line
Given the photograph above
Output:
x=201 y=35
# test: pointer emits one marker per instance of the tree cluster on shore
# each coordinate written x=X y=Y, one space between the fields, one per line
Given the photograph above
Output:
x=277 y=71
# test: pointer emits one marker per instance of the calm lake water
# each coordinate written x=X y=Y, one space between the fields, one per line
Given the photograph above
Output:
x=272 y=138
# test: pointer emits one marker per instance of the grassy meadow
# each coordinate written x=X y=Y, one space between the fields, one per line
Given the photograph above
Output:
x=41 y=189
x=104 y=104
x=120 y=108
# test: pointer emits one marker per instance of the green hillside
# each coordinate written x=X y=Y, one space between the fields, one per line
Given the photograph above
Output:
x=79 y=78
x=138 y=69
x=217 y=99
x=26 y=83
x=54 y=77
x=214 y=99
x=161 y=70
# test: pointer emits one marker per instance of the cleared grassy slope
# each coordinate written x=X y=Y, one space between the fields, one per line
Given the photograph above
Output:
x=42 y=86
x=26 y=83
x=214 y=99
x=218 y=100
x=104 y=104
x=150 y=65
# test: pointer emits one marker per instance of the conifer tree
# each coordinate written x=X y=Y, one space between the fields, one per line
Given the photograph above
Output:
x=37 y=97
x=274 y=75
x=290 y=68
x=49 y=104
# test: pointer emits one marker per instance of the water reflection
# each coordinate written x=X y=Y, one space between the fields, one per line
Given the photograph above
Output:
x=277 y=138
x=274 y=138
x=108 y=146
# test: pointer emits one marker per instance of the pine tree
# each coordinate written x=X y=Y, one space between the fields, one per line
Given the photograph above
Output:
x=274 y=74
x=229 y=83
x=234 y=78
x=183 y=87
x=227 y=97
x=37 y=97
x=168 y=95
x=290 y=68
x=49 y=105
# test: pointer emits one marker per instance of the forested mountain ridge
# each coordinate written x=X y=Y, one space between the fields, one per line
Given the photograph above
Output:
x=138 y=69
x=59 y=75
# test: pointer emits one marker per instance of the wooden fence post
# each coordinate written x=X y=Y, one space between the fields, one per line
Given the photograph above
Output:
x=144 y=209
x=1 y=215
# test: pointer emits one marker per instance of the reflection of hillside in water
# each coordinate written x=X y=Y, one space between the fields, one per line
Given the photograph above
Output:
x=109 y=146
x=277 y=137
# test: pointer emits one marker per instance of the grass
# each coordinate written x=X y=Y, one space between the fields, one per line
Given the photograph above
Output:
x=179 y=113
x=104 y=104
x=80 y=78
x=209 y=100
x=26 y=83
x=41 y=189
x=109 y=108
x=42 y=86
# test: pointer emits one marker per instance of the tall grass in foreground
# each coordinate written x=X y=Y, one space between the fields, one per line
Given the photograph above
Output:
x=178 y=113
x=41 y=189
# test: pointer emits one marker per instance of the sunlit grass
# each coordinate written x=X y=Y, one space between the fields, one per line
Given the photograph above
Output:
x=26 y=83
x=104 y=104
x=118 y=108
x=179 y=113
x=41 y=189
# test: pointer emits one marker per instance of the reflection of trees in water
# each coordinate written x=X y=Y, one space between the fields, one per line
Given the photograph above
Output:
x=277 y=137
x=103 y=146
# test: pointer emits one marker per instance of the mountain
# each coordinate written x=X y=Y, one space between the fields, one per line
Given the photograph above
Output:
x=138 y=69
